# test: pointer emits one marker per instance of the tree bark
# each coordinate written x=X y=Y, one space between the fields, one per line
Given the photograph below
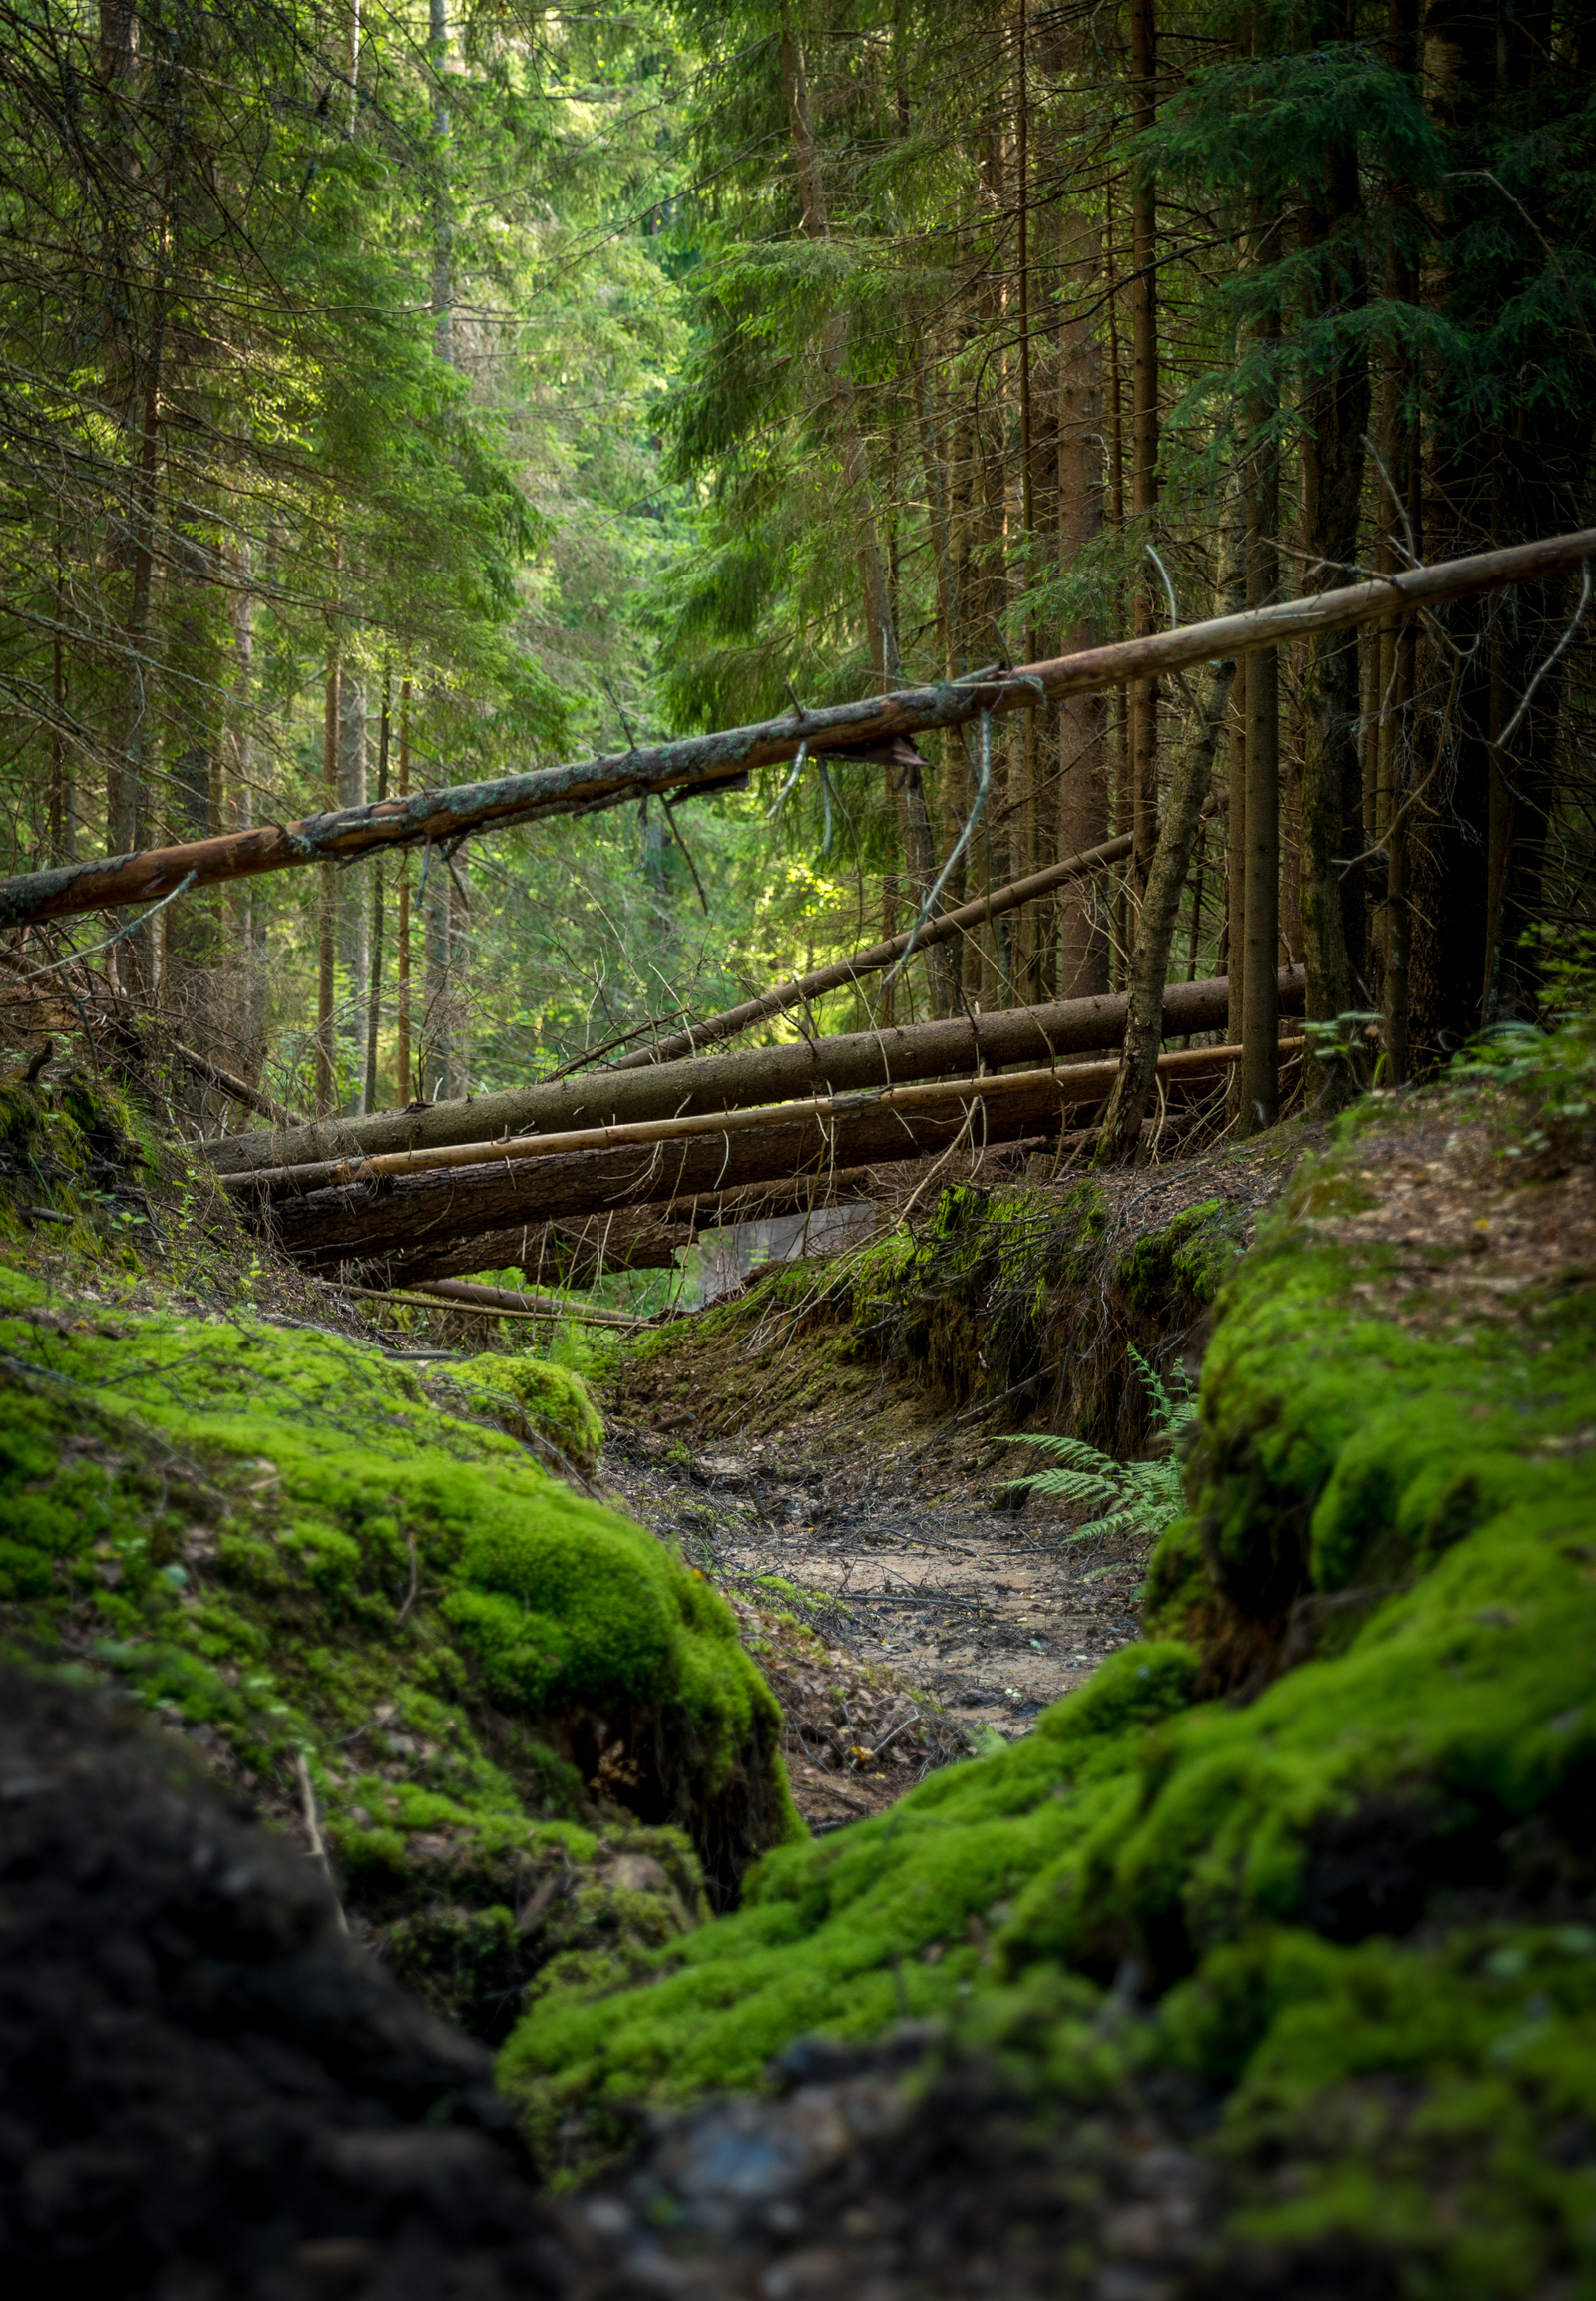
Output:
x=1258 y=1089
x=701 y=762
x=879 y=622
x=1160 y=909
x=1332 y=831
x=1082 y=719
x=362 y=1221
x=368 y=1095
x=327 y=923
x=404 y=1083
x=867 y=1059
x=1145 y=361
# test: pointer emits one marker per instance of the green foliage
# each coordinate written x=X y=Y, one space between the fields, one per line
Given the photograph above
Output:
x=836 y=1936
x=1141 y=1498
x=1541 y=1082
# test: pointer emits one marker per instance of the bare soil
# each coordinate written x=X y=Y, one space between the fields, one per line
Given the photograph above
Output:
x=886 y=1531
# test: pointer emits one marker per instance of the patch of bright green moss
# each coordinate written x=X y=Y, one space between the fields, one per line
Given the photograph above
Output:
x=1427 y=1497
x=890 y=1916
x=1432 y=2105
x=530 y=1396
x=279 y=1539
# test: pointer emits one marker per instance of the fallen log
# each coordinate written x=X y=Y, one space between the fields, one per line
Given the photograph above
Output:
x=1084 y=1083
x=643 y=1238
x=766 y=1075
x=702 y=761
x=492 y=1303
x=471 y=1295
x=365 y=1222
x=572 y=1255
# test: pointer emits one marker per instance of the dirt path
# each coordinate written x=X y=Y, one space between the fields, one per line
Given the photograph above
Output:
x=880 y=1526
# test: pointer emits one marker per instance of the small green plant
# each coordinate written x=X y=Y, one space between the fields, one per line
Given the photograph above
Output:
x=1134 y=1498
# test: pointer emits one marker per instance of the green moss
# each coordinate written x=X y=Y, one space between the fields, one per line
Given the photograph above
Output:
x=835 y=1936
x=277 y=1538
x=1388 y=1568
x=532 y=1396
x=1433 y=2104
x=993 y=1296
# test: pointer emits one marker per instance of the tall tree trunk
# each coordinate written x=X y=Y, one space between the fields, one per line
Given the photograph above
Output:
x=1447 y=819
x=879 y=624
x=368 y=1098
x=434 y=1015
x=1083 y=721
x=1119 y=946
x=1160 y=909
x=1400 y=521
x=1258 y=1089
x=406 y=1082
x=1234 y=951
x=245 y=1005
x=1026 y=841
x=443 y=232
x=352 y=923
x=1144 y=358
x=327 y=914
x=1332 y=831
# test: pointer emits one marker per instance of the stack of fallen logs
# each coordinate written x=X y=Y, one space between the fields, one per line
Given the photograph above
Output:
x=412 y=1196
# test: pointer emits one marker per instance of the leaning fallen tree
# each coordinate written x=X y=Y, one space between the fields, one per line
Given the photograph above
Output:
x=869 y=729
x=857 y=1060
x=362 y=1222
x=876 y=957
x=1082 y=1083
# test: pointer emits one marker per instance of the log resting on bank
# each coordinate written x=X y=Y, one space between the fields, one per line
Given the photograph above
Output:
x=366 y=1222
x=766 y=1075
x=577 y=1253
x=702 y=761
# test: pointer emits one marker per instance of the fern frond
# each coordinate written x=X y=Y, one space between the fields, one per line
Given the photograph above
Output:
x=1141 y=1497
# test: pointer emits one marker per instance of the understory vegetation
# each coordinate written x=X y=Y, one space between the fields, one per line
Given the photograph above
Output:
x=1319 y=1848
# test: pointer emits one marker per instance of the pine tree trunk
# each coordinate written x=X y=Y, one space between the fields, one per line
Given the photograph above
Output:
x=1083 y=721
x=406 y=1082
x=327 y=915
x=1258 y=1089
x=1331 y=832
x=1120 y=1126
x=1144 y=360
x=352 y=923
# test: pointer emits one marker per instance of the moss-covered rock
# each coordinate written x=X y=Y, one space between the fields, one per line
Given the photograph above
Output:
x=487 y=1682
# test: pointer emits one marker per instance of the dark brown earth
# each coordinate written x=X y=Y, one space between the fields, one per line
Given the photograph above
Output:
x=205 y=2089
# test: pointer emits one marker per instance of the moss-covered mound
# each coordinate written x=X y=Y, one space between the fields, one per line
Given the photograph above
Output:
x=522 y=1726
x=1333 y=1838
x=1028 y=1297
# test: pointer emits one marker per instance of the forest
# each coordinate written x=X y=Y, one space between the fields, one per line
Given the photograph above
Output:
x=397 y=404
x=798 y=1149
